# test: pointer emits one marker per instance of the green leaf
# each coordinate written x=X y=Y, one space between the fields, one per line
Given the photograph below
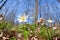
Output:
x=25 y=33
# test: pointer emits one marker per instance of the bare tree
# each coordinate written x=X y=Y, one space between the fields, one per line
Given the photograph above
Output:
x=36 y=16
x=40 y=8
x=2 y=3
x=58 y=1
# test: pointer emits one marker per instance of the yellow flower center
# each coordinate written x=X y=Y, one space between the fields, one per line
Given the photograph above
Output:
x=22 y=18
x=50 y=21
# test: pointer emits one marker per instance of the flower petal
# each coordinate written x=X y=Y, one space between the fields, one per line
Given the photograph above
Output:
x=50 y=21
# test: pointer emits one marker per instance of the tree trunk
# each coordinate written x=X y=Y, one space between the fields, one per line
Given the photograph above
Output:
x=36 y=16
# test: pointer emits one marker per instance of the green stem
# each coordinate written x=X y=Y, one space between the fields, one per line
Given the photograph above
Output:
x=48 y=33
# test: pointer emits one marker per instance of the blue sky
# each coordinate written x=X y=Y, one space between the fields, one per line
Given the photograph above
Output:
x=20 y=6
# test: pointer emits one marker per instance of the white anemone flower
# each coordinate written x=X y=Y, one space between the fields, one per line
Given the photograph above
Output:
x=33 y=38
x=31 y=17
x=1 y=34
x=5 y=38
x=42 y=21
x=54 y=28
x=50 y=21
x=1 y=18
x=19 y=35
x=23 y=18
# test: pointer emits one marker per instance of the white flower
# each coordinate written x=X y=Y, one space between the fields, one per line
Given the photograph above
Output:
x=23 y=18
x=31 y=17
x=42 y=21
x=42 y=24
x=4 y=38
x=19 y=35
x=54 y=28
x=1 y=18
x=1 y=34
x=33 y=38
x=50 y=21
